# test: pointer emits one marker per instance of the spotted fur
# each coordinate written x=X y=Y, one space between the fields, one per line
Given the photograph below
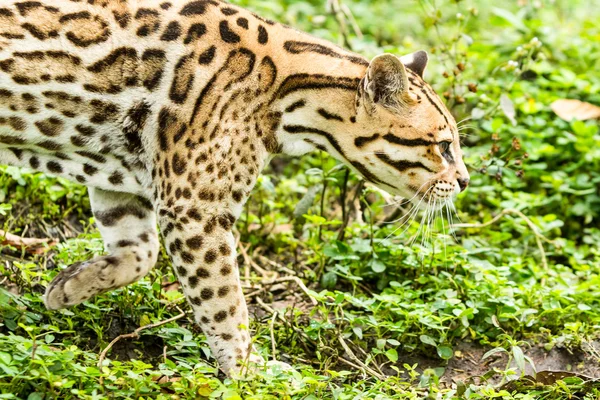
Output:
x=169 y=109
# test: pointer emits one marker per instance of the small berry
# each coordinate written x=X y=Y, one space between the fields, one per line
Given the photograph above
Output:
x=516 y=144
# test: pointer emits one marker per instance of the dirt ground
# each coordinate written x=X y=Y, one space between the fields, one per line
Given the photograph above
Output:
x=468 y=366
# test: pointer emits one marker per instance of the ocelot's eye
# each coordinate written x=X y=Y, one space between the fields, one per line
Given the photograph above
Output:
x=444 y=146
x=445 y=150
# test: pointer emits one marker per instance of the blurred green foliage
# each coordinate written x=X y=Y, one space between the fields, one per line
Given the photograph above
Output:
x=494 y=286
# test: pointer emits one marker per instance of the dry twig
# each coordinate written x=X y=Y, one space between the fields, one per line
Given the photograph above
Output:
x=271 y=328
x=136 y=334
x=298 y=282
x=357 y=360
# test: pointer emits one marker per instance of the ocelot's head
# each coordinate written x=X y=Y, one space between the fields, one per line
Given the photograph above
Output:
x=403 y=137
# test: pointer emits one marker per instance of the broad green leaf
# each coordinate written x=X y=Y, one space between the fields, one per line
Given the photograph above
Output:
x=445 y=352
x=428 y=340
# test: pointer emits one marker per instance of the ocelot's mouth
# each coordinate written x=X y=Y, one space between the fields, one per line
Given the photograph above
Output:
x=438 y=193
x=443 y=191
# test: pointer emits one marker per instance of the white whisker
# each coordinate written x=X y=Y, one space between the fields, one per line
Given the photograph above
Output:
x=450 y=219
x=444 y=228
x=455 y=212
x=404 y=201
x=422 y=223
x=464 y=120
x=413 y=214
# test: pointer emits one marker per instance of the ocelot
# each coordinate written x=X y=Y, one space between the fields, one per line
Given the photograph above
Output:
x=168 y=110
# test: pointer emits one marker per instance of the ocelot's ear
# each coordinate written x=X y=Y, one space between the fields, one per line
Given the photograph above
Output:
x=386 y=82
x=416 y=61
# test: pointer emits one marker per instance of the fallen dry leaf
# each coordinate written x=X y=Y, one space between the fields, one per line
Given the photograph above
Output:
x=165 y=379
x=170 y=286
x=31 y=245
x=569 y=109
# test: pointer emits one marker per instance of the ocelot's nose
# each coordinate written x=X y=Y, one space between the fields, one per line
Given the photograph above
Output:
x=463 y=183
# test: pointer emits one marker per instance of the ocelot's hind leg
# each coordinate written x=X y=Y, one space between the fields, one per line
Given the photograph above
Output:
x=128 y=226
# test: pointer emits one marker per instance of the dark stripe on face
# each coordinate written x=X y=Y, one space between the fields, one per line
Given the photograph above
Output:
x=294 y=106
x=295 y=47
x=362 y=140
x=335 y=144
x=407 y=142
x=402 y=165
x=329 y=116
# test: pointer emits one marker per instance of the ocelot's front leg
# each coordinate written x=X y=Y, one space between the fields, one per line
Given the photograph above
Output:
x=200 y=241
x=128 y=226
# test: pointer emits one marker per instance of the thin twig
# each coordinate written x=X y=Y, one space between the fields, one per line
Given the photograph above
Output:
x=271 y=327
x=346 y=10
x=299 y=283
x=238 y=245
x=265 y=306
x=373 y=361
x=342 y=359
x=358 y=364
x=276 y=265
x=270 y=277
x=357 y=360
x=273 y=288
x=136 y=334
x=335 y=9
x=249 y=262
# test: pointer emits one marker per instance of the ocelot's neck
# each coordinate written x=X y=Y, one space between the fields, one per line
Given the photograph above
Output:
x=318 y=98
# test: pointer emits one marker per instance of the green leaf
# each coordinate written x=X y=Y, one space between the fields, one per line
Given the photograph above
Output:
x=519 y=358
x=377 y=266
x=392 y=355
x=428 y=340
x=493 y=351
x=511 y=18
x=445 y=352
x=329 y=280
x=5 y=358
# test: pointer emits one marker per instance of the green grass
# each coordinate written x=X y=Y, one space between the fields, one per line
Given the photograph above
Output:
x=380 y=318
